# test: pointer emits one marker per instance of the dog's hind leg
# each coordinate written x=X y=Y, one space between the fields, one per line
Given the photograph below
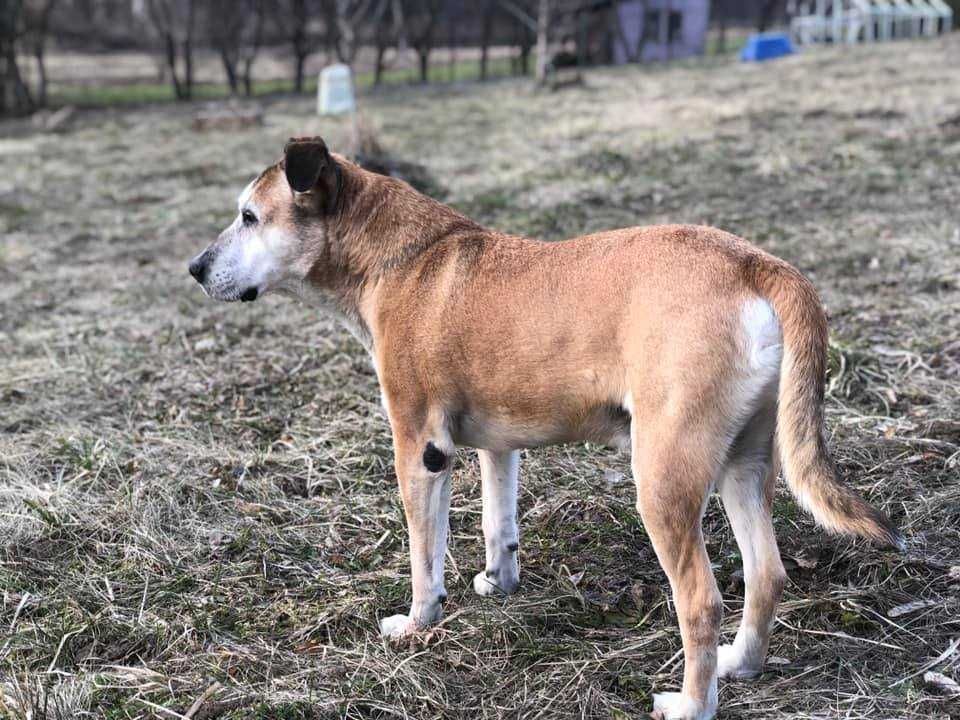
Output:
x=674 y=472
x=746 y=489
x=498 y=476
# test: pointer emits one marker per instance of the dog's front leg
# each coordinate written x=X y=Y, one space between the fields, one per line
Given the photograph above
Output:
x=423 y=460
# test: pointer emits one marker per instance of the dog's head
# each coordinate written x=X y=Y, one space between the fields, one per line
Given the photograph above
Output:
x=280 y=230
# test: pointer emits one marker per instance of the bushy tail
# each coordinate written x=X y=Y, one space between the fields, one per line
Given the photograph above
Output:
x=808 y=467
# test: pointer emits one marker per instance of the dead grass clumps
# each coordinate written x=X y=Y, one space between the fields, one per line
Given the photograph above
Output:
x=198 y=513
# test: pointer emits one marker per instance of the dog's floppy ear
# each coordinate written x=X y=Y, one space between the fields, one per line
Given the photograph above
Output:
x=304 y=159
x=309 y=166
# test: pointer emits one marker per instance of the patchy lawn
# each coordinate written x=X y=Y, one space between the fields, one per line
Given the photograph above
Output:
x=197 y=501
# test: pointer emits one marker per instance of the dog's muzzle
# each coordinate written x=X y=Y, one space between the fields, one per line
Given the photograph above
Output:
x=200 y=270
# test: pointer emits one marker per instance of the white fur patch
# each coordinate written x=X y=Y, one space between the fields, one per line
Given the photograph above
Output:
x=397 y=627
x=763 y=335
x=743 y=659
x=677 y=706
x=251 y=258
x=762 y=352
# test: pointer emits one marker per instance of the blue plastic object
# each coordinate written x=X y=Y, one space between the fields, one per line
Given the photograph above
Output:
x=766 y=46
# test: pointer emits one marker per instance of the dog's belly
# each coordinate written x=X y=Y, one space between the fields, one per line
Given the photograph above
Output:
x=605 y=425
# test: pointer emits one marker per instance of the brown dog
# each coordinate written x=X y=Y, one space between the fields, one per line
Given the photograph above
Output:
x=700 y=352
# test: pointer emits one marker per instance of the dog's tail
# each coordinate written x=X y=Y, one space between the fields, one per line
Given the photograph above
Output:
x=808 y=467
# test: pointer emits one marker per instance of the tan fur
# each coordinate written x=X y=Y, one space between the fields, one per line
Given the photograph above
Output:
x=632 y=336
x=810 y=471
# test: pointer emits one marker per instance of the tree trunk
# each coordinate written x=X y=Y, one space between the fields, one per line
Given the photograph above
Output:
x=230 y=69
x=423 y=56
x=188 y=53
x=300 y=60
x=348 y=20
x=41 y=74
x=187 y=50
x=452 y=48
x=171 y=51
x=582 y=40
x=14 y=94
x=486 y=30
x=18 y=100
x=525 y=59
x=249 y=53
x=295 y=29
x=378 y=64
x=9 y=13
x=248 y=76
x=543 y=29
x=300 y=53
x=39 y=48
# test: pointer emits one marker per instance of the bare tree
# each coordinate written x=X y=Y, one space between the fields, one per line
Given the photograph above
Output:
x=386 y=33
x=37 y=25
x=486 y=30
x=14 y=95
x=531 y=24
x=249 y=50
x=525 y=40
x=174 y=21
x=293 y=18
x=24 y=28
x=721 y=14
x=346 y=17
x=235 y=29
x=422 y=18
x=452 y=13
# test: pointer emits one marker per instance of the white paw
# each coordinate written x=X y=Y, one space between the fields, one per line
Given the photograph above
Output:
x=490 y=585
x=677 y=706
x=731 y=663
x=397 y=627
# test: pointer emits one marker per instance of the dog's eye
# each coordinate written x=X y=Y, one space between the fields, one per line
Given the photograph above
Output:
x=248 y=218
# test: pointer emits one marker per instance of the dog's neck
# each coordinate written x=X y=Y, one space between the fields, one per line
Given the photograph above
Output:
x=378 y=231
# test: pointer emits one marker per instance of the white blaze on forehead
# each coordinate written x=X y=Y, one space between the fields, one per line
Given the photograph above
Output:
x=244 y=197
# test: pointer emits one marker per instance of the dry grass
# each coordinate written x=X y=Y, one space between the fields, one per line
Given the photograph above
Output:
x=198 y=513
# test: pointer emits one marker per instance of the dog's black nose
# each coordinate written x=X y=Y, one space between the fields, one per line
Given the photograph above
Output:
x=198 y=268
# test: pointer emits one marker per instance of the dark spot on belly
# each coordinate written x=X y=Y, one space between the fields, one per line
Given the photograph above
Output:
x=512 y=547
x=608 y=424
x=619 y=416
x=433 y=458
